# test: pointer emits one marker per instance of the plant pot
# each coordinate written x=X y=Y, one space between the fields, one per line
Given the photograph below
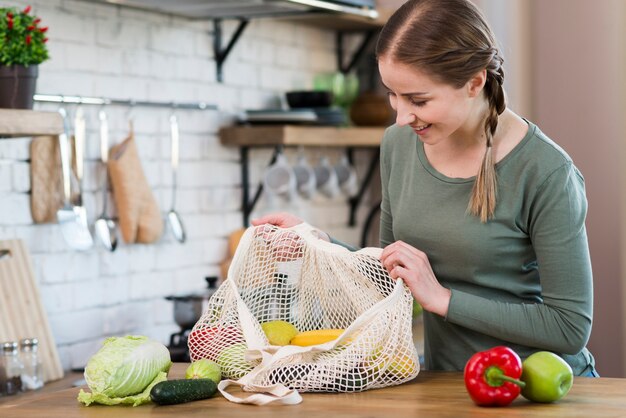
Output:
x=17 y=86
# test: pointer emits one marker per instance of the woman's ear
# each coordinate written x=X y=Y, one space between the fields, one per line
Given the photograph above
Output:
x=476 y=83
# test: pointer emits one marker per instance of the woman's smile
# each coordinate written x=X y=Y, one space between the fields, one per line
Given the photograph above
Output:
x=421 y=129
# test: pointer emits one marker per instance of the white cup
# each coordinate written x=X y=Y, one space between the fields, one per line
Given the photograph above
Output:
x=326 y=178
x=279 y=179
x=346 y=177
x=305 y=178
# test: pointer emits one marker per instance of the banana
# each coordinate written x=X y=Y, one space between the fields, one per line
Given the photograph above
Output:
x=318 y=336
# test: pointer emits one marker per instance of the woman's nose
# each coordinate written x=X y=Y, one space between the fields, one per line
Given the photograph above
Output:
x=404 y=117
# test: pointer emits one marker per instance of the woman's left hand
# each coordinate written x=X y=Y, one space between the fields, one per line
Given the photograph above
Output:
x=404 y=261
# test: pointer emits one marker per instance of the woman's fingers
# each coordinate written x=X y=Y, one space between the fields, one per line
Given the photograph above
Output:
x=398 y=272
x=402 y=254
x=280 y=219
x=404 y=261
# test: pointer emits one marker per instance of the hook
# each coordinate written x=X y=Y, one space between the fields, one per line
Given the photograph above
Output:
x=130 y=115
x=104 y=135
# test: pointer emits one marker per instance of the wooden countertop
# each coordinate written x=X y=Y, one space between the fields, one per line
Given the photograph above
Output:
x=431 y=394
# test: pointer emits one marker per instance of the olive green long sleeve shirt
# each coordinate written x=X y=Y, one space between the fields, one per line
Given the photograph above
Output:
x=523 y=279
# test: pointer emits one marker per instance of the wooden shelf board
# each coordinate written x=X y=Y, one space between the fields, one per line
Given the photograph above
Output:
x=16 y=123
x=318 y=136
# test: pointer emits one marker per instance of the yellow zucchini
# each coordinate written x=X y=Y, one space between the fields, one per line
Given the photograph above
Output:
x=314 y=337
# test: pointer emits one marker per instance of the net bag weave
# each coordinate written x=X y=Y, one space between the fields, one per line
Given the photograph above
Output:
x=290 y=274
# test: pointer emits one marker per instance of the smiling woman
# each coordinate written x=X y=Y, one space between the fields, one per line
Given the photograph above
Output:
x=483 y=216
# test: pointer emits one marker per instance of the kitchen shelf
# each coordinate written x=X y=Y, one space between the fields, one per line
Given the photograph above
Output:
x=342 y=24
x=294 y=135
x=279 y=136
x=16 y=123
x=343 y=20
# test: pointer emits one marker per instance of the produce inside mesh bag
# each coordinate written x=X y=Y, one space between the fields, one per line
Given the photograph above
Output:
x=292 y=275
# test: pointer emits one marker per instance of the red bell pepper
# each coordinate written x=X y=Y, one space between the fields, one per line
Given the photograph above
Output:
x=210 y=341
x=492 y=376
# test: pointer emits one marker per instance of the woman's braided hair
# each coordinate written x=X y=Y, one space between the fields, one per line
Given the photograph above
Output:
x=451 y=41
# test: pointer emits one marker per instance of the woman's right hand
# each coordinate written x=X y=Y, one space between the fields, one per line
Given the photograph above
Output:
x=287 y=246
x=290 y=244
x=279 y=219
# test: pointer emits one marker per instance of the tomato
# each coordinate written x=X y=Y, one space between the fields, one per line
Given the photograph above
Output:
x=209 y=342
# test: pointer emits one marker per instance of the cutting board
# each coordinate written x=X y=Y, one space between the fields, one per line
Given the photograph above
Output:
x=21 y=312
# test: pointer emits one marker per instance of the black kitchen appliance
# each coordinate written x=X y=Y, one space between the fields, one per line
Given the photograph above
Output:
x=187 y=311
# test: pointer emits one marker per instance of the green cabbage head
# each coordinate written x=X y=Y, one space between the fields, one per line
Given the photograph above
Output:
x=124 y=369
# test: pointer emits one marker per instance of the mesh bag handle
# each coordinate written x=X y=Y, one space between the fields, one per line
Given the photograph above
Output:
x=278 y=393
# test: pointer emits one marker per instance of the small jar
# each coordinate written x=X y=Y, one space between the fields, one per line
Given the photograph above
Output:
x=13 y=367
x=32 y=373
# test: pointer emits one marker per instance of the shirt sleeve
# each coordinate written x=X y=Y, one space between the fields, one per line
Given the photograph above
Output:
x=386 y=230
x=562 y=323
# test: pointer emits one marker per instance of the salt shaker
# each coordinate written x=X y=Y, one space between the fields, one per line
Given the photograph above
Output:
x=13 y=367
x=32 y=373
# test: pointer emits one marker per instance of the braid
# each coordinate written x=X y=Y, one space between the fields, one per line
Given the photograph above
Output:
x=483 y=200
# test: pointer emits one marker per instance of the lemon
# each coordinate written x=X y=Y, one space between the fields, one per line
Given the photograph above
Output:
x=279 y=332
x=402 y=366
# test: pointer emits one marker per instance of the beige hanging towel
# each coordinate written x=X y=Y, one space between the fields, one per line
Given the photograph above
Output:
x=139 y=215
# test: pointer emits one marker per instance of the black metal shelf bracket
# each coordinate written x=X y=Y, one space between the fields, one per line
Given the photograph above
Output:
x=367 y=37
x=247 y=205
x=356 y=200
x=222 y=53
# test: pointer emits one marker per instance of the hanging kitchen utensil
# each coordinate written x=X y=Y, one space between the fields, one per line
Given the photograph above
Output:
x=104 y=226
x=73 y=219
x=176 y=224
x=46 y=196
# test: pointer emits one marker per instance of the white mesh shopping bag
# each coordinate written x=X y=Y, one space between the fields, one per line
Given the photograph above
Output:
x=292 y=275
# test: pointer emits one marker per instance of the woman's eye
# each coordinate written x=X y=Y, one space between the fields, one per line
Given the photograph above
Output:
x=418 y=103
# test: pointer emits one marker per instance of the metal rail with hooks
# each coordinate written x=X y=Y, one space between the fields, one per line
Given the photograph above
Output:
x=85 y=100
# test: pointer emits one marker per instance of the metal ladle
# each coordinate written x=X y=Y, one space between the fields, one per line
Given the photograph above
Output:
x=176 y=224
x=105 y=227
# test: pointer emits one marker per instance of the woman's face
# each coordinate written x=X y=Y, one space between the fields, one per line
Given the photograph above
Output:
x=434 y=111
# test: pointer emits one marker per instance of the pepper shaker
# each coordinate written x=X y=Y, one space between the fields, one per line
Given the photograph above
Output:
x=13 y=367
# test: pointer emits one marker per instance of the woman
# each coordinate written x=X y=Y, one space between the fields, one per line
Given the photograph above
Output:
x=483 y=216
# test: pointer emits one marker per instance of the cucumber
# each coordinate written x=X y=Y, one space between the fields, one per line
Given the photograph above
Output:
x=172 y=392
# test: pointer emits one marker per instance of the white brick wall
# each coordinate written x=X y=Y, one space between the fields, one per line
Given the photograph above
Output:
x=100 y=50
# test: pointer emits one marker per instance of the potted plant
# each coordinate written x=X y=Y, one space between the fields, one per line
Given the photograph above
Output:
x=22 y=49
